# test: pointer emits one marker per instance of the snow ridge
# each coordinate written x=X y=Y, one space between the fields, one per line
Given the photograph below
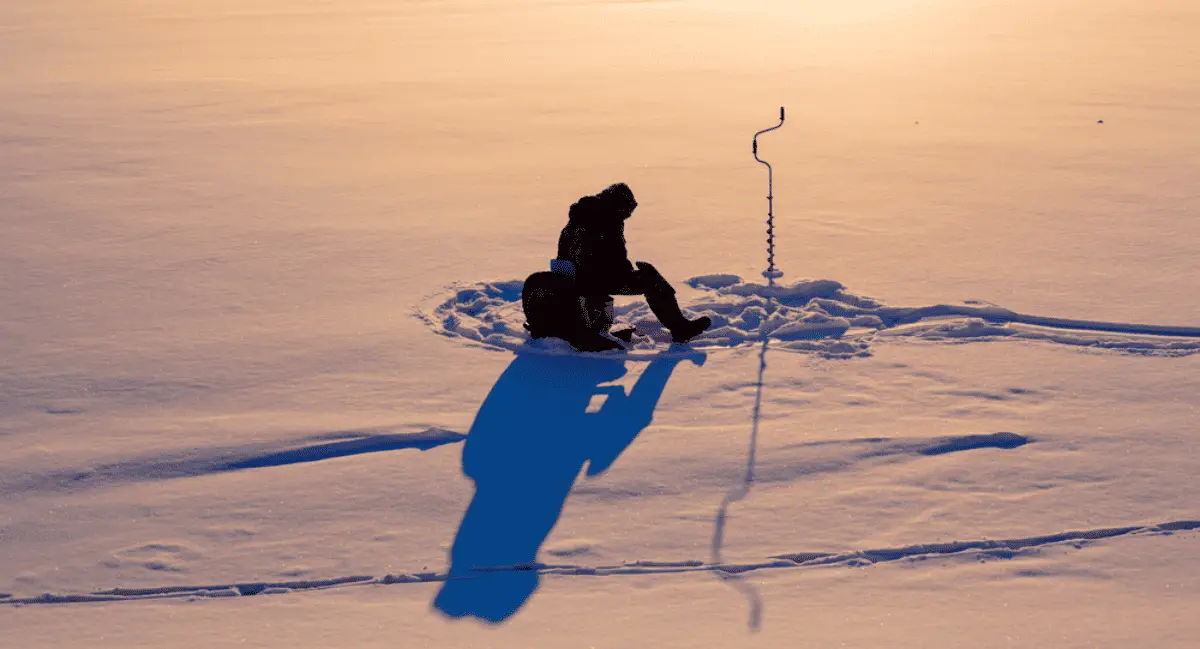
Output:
x=977 y=550
x=235 y=458
x=809 y=316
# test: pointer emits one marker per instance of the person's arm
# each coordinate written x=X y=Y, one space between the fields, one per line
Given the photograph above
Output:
x=601 y=267
x=614 y=260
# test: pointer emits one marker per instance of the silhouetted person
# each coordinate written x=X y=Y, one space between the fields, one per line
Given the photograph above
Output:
x=592 y=266
x=594 y=242
x=530 y=440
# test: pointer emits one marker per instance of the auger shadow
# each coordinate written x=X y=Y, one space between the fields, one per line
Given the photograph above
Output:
x=531 y=438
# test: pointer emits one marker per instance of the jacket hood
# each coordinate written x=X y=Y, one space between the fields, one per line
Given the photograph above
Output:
x=585 y=210
x=618 y=199
x=613 y=206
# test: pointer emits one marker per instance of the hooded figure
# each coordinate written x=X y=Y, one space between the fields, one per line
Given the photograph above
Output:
x=594 y=242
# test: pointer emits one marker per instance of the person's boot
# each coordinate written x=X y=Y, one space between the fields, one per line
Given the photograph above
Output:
x=666 y=309
x=690 y=329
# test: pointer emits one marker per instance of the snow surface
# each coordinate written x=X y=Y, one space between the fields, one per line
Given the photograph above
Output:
x=220 y=421
x=812 y=316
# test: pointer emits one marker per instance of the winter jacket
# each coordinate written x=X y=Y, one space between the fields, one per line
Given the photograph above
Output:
x=594 y=241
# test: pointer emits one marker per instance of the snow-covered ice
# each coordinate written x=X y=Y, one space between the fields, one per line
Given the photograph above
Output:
x=263 y=378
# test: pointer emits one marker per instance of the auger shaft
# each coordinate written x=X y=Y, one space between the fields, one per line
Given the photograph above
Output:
x=771 y=273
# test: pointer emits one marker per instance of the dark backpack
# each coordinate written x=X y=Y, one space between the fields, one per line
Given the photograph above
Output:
x=554 y=307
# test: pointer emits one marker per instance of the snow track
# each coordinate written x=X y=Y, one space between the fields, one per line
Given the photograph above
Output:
x=220 y=460
x=815 y=316
x=976 y=550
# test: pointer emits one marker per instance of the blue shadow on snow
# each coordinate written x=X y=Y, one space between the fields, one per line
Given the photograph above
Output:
x=531 y=438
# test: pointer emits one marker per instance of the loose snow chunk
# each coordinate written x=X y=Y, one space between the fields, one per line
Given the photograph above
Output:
x=713 y=281
x=729 y=335
x=968 y=329
x=750 y=318
x=872 y=321
x=814 y=328
x=468 y=295
x=509 y=291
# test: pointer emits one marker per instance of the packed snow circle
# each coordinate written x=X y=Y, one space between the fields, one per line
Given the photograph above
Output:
x=814 y=316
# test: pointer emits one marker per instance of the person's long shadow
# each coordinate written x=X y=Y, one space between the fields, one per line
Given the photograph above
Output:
x=532 y=436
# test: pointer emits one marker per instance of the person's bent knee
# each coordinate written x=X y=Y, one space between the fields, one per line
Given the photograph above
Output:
x=652 y=281
x=649 y=273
